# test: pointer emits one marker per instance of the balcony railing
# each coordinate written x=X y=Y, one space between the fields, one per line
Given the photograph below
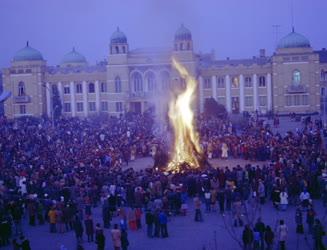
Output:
x=141 y=94
x=22 y=99
x=296 y=89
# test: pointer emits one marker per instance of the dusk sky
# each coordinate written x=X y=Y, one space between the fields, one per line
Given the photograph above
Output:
x=233 y=28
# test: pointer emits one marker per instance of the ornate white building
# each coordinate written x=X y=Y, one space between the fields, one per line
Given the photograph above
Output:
x=291 y=80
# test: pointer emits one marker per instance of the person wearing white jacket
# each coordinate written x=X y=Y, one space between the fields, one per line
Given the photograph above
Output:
x=283 y=200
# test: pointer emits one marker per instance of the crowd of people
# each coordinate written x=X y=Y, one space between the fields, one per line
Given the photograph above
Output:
x=60 y=174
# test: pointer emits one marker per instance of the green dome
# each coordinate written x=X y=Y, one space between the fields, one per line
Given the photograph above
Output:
x=293 y=40
x=183 y=33
x=118 y=37
x=28 y=54
x=73 y=57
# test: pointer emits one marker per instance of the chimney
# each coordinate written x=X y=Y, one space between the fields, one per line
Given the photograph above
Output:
x=262 y=53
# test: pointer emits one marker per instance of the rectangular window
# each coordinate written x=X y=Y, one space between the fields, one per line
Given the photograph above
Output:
x=104 y=87
x=288 y=100
x=248 y=82
x=79 y=107
x=207 y=83
x=235 y=82
x=92 y=106
x=104 y=106
x=305 y=99
x=22 y=109
x=248 y=101
x=220 y=82
x=221 y=100
x=79 y=88
x=297 y=100
x=67 y=107
x=262 y=100
x=66 y=90
x=262 y=81
x=119 y=106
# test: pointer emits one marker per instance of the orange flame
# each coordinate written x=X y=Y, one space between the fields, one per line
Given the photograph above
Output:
x=186 y=140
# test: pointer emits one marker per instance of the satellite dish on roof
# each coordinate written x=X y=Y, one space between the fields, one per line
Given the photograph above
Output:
x=4 y=95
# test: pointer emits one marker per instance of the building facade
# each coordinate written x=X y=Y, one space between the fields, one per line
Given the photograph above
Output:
x=293 y=79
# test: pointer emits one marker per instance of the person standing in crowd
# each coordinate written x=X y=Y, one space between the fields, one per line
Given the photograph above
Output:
x=197 y=206
x=283 y=200
x=282 y=234
x=318 y=233
x=89 y=228
x=124 y=240
x=53 y=219
x=149 y=220
x=260 y=227
x=78 y=228
x=100 y=240
x=116 y=237
x=25 y=243
x=299 y=221
x=207 y=198
x=310 y=218
x=163 y=220
x=247 y=237
x=138 y=215
x=221 y=200
x=269 y=238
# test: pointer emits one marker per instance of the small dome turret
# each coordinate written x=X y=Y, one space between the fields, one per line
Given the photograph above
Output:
x=27 y=54
x=118 y=37
x=183 y=33
x=293 y=40
x=73 y=58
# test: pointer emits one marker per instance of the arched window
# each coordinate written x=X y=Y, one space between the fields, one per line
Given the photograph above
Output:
x=117 y=84
x=124 y=49
x=21 y=89
x=296 y=77
x=117 y=49
x=137 y=82
x=165 y=80
x=150 y=81
x=91 y=87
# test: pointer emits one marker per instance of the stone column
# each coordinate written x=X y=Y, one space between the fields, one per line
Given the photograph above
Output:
x=97 y=96
x=60 y=91
x=241 y=93
x=48 y=95
x=214 y=87
x=255 y=92
x=269 y=92
x=201 y=99
x=72 y=98
x=85 y=107
x=228 y=94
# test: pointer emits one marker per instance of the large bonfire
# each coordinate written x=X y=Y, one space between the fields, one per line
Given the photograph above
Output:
x=186 y=150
